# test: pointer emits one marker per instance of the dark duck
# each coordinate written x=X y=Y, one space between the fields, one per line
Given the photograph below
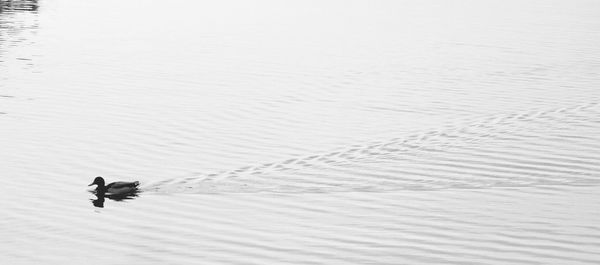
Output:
x=117 y=191
x=115 y=188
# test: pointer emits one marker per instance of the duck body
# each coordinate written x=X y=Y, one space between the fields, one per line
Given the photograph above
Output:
x=121 y=187
x=115 y=188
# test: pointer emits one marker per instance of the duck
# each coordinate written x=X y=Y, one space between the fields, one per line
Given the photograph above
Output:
x=115 y=188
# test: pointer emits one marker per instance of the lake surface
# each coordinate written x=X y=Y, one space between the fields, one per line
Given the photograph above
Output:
x=301 y=132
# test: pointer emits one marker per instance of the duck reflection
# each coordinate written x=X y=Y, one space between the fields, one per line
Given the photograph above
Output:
x=101 y=197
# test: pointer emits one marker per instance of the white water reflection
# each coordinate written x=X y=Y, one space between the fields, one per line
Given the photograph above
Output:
x=300 y=132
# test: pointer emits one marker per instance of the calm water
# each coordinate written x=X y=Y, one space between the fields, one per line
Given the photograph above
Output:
x=301 y=132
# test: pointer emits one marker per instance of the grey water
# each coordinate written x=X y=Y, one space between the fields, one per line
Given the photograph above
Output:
x=300 y=132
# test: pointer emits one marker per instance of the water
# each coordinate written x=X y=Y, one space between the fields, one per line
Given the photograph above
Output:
x=336 y=132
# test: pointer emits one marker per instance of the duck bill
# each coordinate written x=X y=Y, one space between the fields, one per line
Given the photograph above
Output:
x=91 y=184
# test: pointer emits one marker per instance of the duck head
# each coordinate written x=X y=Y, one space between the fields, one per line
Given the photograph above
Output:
x=98 y=181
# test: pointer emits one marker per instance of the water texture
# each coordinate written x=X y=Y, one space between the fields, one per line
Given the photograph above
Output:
x=302 y=132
